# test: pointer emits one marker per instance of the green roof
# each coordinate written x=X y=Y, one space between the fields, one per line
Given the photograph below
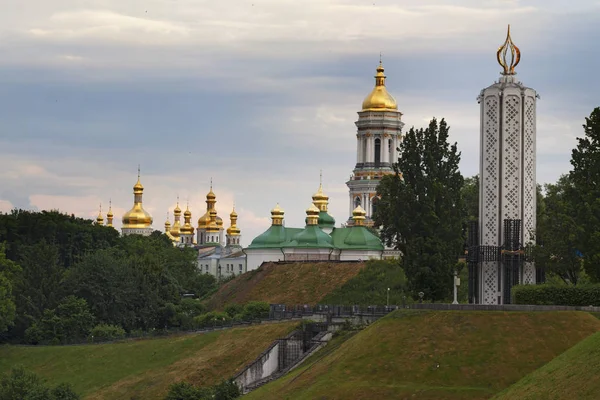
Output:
x=311 y=236
x=275 y=236
x=352 y=238
x=356 y=237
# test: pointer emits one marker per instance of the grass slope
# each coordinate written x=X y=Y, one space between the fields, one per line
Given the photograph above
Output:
x=285 y=283
x=435 y=355
x=572 y=375
x=143 y=369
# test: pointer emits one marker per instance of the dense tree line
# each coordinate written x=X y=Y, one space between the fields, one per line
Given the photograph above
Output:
x=61 y=276
x=426 y=205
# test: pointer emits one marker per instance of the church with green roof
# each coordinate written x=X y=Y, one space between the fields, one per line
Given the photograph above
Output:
x=319 y=240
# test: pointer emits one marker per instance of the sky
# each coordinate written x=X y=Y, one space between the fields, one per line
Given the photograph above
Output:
x=261 y=95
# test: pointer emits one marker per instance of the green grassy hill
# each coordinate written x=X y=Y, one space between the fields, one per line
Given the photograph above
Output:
x=285 y=283
x=435 y=355
x=144 y=369
x=572 y=375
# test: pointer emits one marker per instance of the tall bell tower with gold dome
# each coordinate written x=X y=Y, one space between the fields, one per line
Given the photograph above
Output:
x=137 y=221
x=378 y=136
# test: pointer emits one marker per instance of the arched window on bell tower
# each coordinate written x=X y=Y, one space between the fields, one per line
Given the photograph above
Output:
x=391 y=151
x=377 y=154
x=374 y=202
x=356 y=201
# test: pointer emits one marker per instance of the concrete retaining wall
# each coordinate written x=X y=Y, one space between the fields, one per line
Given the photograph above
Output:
x=505 y=307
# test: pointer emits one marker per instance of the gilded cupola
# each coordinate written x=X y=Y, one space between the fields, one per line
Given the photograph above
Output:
x=109 y=215
x=359 y=216
x=176 y=227
x=137 y=217
x=167 y=225
x=508 y=55
x=99 y=218
x=312 y=215
x=277 y=215
x=233 y=230
x=211 y=200
x=379 y=99
x=187 y=228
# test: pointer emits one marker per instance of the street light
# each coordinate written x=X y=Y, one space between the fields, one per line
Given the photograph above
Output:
x=388 y=297
x=421 y=294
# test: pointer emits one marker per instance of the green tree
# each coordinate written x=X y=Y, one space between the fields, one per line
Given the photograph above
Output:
x=470 y=195
x=585 y=176
x=421 y=209
x=8 y=272
x=558 y=232
x=25 y=385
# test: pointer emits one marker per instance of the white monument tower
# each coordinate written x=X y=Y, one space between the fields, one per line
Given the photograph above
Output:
x=378 y=136
x=507 y=178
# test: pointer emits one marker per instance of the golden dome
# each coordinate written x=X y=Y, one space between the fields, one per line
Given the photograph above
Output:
x=167 y=224
x=177 y=210
x=187 y=228
x=233 y=230
x=137 y=217
x=312 y=215
x=379 y=99
x=359 y=215
x=277 y=215
x=100 y=219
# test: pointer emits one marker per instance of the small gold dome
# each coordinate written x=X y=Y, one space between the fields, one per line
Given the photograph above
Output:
x=177 y=210
x=137 y=188
x=211 y=195
x=359 y=216
x=312 y=210
x=379 y=99
x=277 y=210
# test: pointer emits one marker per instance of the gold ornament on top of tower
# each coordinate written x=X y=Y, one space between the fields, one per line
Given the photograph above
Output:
x=379 y=99
x=187 y=228
x=137 y=217
x=312 y=215
x=100 y=219
x=359 y=215
x=109 y=215
x=277 y=215
x=233 y=230
x=320 y=199
x=508 y=55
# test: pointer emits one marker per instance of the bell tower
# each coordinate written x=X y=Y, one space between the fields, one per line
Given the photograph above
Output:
x=379 y=131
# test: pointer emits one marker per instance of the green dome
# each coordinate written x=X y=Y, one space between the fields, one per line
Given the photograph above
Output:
x=311 y=236
x=361 y=238
x=272 y=237
x=326 y=220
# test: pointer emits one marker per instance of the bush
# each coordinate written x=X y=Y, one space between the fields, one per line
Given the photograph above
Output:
x=213 y=318
x=187 y=391
x=255 y=310
x=234 y=309
x=557 y=295
x=104 y=332
x=23 y=384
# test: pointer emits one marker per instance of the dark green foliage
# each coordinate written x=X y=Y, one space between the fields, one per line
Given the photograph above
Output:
x=105 y=332
x=582 y=295
x=133 y=282
x=70 y=320
x=234 y=309
x=255 y=310
x=558 y=232
x=226 y=390
x=74 y=237
x=585 y=177
x=421 y=210
x=213 y=318
x=371 y=284
x=24 y=385
x=470 y=195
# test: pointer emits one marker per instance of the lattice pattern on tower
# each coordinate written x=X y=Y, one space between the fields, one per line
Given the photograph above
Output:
x=511 y=158
x=490 y=273
x=529 y=172
x=489 y=179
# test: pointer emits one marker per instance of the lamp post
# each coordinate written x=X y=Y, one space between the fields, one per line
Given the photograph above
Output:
x=388 y=297
x=456 y=285
x=421 y=294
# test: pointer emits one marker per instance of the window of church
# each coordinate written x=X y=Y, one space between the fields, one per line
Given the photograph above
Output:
x=377 y=152
x=356 y=201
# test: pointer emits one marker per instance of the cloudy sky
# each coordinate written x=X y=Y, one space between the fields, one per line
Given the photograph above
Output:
x=260 y=94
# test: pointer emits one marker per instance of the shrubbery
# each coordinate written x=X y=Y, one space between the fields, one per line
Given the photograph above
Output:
x=106 y=332
x=587 y=295
x=226 y=390
x=22 y=384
